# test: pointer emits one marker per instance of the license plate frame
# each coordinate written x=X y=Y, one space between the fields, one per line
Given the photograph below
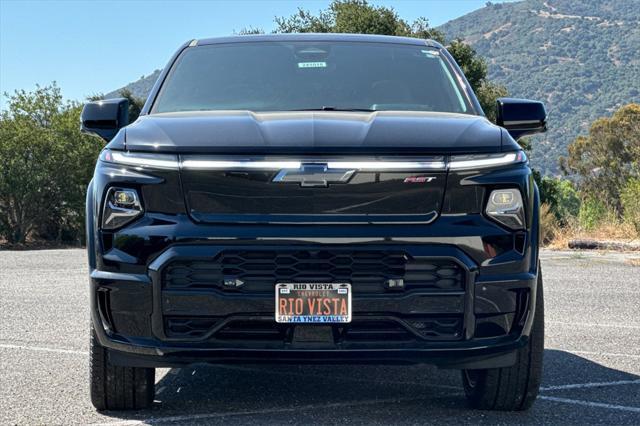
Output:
x=320 y=303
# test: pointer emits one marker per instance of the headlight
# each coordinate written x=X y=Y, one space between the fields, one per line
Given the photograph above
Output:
x=505 y=206
x=470 y=162
x=140 y=159
x=120 y=207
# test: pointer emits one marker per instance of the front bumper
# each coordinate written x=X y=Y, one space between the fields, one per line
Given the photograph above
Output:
x=477 y=321
x=479 y=325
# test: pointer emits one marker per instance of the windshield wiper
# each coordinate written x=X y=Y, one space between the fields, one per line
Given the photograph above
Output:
x=331 y=108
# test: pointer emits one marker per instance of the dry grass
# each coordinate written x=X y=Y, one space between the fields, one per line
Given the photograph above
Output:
x=33 y=244
x=549 y=228
x=608 y=230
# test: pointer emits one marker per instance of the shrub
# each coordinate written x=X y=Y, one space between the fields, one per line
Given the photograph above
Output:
x=630 y=200
x=561 y=196
x=568 y=202
x=592 y=213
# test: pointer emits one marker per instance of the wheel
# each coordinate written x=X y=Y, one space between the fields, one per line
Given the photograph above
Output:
x=512 y=388
x=114 y=387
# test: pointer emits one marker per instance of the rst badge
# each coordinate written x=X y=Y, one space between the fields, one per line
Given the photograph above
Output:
x=419 y=179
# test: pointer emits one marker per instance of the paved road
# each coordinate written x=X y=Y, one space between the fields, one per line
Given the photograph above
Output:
x=592 y=361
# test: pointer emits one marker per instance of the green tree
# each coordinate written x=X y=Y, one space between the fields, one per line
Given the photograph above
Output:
x=608 y=157
x=358 y=16
x=487 y=95
x=246 y=31
x=46 y=166
x=135 y=104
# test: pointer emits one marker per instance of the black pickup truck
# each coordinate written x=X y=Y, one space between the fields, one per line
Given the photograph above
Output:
x=319 y=198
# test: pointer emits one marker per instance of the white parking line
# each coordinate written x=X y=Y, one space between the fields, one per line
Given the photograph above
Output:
x=577 y=324
x=590 y=403
x=205 y=416
x=594 y=353
x=591 y=385
x=42 y=349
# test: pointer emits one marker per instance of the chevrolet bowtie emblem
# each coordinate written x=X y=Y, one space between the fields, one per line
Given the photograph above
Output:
x=314 y=175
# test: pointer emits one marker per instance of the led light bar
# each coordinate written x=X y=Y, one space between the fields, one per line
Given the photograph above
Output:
x=194 y=162
x=197 y=162
x=387 y=165
x=469 y=162
x=242 y=164
x=140 y=159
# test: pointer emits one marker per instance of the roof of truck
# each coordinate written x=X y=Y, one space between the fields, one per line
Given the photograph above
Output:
x=317 y=37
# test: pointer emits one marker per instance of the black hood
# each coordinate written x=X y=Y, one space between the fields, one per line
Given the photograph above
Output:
x=314 y=132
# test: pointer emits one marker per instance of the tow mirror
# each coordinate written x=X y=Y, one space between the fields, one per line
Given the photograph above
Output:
x=521 y=117
x=104 y=118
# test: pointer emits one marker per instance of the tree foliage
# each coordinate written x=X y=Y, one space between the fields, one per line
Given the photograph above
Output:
x=135 y=104
x=560 y=196
x=46 y=166
x=608 y=157
x=355 y=16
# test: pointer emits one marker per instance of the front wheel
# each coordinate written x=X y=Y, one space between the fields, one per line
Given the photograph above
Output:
x=512 y=388
x=115 y=387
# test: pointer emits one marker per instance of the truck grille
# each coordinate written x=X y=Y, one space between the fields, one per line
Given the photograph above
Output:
x=257 y=271
x=254 y=195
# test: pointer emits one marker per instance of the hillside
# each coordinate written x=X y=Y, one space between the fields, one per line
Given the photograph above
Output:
x=139 y=88
x=581 y=57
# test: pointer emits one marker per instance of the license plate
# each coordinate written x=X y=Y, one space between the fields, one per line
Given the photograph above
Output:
x=313 y=303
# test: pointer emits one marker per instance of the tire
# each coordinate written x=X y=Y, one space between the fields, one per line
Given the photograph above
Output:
x=114 y=387
x=512 y=388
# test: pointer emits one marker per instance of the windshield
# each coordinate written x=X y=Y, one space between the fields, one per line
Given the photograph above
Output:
x=289 y=76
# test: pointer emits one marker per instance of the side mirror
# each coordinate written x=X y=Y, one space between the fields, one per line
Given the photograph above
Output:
x=104 y=118
x=521 y=117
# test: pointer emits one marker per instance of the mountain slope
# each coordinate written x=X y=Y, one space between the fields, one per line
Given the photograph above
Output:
x=582 y=58
x=139 y=88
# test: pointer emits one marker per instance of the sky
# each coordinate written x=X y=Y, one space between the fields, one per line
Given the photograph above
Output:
x=91 y=47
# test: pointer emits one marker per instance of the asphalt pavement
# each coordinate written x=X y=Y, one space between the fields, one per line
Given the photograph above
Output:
x=591 y=372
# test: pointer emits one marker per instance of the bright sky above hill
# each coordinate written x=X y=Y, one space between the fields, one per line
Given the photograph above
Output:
x=90 y=47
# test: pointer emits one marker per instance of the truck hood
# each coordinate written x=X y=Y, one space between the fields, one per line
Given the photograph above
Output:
x=313 y=132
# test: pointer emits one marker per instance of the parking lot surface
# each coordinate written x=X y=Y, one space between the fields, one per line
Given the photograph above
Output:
x=591 y=372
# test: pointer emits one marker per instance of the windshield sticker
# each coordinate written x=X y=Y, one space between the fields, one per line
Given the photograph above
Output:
x=431 y=53
x=312 y=64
